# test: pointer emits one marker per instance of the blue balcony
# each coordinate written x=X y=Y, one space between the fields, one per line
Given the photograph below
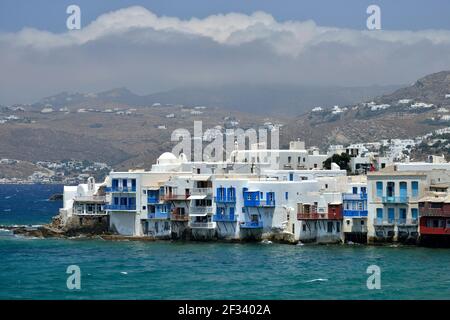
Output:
x=354 y=196
x=225 y=199
x=120 y=207
x=251 y=225
x=393 y=199
x=259 y=203
x=120 y=189
x=224 y=218
x=355 y=213
x=152 y=200
x=159 y=215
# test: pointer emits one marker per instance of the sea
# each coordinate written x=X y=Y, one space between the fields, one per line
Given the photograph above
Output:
x=41 y=268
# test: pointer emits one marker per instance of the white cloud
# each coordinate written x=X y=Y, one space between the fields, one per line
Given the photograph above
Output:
x=136 y=48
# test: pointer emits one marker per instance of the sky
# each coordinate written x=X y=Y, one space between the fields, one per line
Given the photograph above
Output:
x=149 y=46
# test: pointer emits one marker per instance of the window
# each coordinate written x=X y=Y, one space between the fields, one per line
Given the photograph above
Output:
x=355 y=190
x=298 y=159
x=304 y=227
x=362 y=222
x=315 y=165
x=326 y=185
x=363 y=190
x=289 y=159
x=286 y=195
x=144 y=208
x=414 y=213
x=379 y=188
x=338 y=226
x=414 y=188
x=347 y=221
x=380 y=213
x=291 y=176
x=390 y=189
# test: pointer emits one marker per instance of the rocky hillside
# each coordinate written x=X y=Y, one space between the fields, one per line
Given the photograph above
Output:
x=406 y=113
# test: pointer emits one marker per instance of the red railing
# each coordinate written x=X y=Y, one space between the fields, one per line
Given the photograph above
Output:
x=431 y=230
x=171 y=196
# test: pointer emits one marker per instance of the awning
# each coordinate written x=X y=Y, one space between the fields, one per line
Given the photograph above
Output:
x=198 y=214
x=197 y=197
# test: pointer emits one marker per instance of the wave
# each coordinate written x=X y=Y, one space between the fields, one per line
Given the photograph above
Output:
x=317 y=280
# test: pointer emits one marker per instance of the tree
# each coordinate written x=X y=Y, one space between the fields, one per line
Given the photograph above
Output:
x=341 y=160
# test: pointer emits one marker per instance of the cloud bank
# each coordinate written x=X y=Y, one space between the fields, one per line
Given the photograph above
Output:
x=135 y=48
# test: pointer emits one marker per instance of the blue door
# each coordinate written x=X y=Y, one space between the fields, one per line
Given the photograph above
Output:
x=391 y=215
x=403 y=190
x=379 y=215
x=402 y=215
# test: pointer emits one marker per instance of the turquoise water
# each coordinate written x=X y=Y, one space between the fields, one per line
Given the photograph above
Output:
x=36 y=269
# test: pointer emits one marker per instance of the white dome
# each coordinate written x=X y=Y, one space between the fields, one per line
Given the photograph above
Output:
x=167 y=157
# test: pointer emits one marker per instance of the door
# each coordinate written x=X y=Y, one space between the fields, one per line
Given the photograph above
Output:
x=391 y=215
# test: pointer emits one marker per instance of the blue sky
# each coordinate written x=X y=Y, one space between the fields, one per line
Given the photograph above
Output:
x=396 y=15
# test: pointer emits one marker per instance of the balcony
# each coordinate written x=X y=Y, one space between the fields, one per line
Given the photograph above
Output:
x=120 y=189
x=224 y=218
x=202 y=225
x=179 y=217
x=251 y=225
x=355 y=213
x=223 y=199
x=393 y=199
x=434 y=212
x=200 y=210
x=91 y=199
x=120 y=207
x=353 y=196
x=259 y=203
x=152 y=200
x=392 y=222
x=318 y=216
x=434 y=231
x=172 y=197
x=158 y=215
x=202 y=191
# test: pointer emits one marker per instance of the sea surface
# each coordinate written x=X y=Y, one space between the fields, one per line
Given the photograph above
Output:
x=36 y=268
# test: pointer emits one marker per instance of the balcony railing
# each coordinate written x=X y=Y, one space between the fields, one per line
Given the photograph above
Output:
x=200 y=210
x=224 y=217
x=225 y=199
x=317 y=216
x=355 y=213
x=120 y=207
x=159 y=215
x=392 y=222
x=259 y=203
x=437 y=231
x=434 y=212
x=202 y=191
x=251 y=225
x=120 y=189
x=152 y=200
x=179 y=217
x=172 y=196
x=96 y=199
x=353 y=196
x=202 y=225
x=393 y=199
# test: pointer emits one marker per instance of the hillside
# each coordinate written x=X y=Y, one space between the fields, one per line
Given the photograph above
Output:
x=406 y=113
x=261 y=99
